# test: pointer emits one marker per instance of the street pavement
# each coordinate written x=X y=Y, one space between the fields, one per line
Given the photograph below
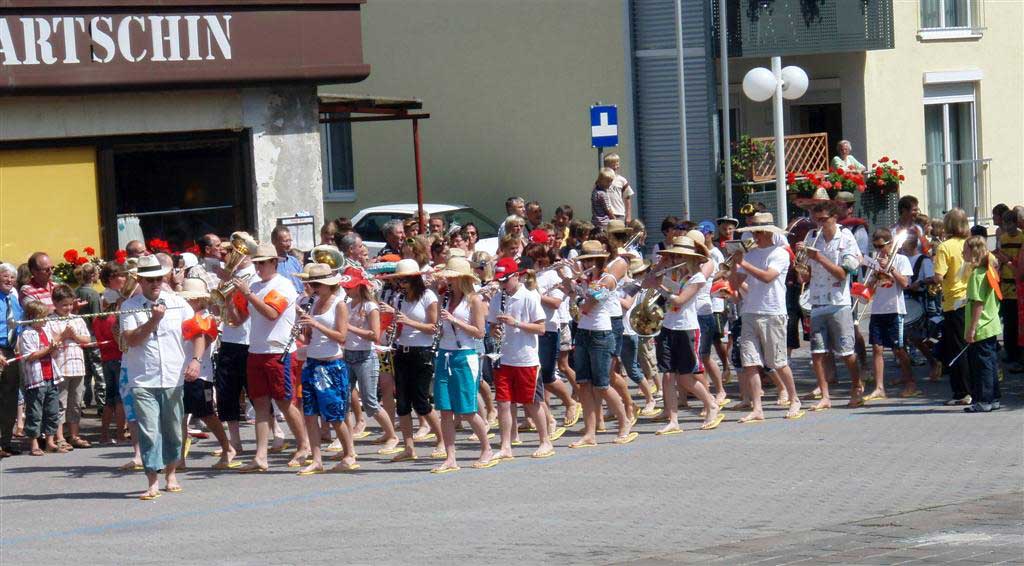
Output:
x=899 y=481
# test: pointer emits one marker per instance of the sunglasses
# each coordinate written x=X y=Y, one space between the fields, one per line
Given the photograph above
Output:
x=822 y=218
x=46 y=269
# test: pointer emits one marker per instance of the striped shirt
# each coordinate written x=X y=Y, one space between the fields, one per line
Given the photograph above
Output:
x=69 y=358
x=32 y=371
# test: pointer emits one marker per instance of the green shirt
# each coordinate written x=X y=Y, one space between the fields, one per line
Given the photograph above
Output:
x=979 y=289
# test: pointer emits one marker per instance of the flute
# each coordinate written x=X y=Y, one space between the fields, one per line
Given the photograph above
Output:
x=61 y=347
x=88 y=315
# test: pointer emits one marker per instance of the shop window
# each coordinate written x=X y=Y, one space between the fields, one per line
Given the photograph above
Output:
x=950 y=19
x=336 y=139
x=955 y=174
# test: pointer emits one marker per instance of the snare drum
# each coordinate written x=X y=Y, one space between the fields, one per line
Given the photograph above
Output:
x=915 y=312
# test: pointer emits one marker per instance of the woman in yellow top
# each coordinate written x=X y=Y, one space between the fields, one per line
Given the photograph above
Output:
x=949 y=269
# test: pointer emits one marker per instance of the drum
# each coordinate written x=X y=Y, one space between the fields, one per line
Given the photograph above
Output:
x=805 y=302
x=915 y=312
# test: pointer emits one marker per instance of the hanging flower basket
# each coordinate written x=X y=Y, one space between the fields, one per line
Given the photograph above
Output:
x=803 y=184
x=885 y=176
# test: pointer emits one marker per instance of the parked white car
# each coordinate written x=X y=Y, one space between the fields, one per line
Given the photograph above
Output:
x=369 y=223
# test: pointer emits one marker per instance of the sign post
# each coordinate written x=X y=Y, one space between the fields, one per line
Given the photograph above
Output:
x=604 y=128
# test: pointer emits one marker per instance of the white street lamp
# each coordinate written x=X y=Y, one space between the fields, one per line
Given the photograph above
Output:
x=790 y=83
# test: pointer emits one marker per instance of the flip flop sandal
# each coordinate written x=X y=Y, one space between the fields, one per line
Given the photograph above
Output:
x=494 y=461
x=149 y=496
x=312 y=472
x=910 y=395
x=445 y=470
x=819 y=409
x=252 y=470
x=37 y=452
x=633 y=419
x=724 y=402
x=784 y=404
x=574 y=417
x=542 y=455
x=650 y=413
x=280 y=449
x=797 y=415
x=517 y=443
x=131 y=467
x=341 y=468
x=873 y=397
x=361 y=435
x=175 y=489
x=627 y=439
x=334 y=449
x=558 y=433
x=500 y=458
x=669 y=432
x=390 y=451
x=473 y=438
x=438 y=454
x=855 y=404
x=578 y=445
x=404 y=457
x=713 y=424
x=227 y=465
x=751 y=421
x=428 y=436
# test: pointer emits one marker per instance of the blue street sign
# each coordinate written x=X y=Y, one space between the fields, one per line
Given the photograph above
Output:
x=604 y=126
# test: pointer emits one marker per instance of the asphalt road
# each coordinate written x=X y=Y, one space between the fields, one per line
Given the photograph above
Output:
x=899 y=481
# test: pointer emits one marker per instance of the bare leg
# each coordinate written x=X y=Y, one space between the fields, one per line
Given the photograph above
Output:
x=568 y=372
x=818 y=362
x=479 y=427
x=753 y=379
x=405 y=425
x=711 y=367
x=170 y=477
x=591 y=412
x=213 y=423
x=700 y=391
x=313 y=436
x=564 y=393
x=785 y=374
x=293 y=416
x=538 y=416
x=856 y=387
x=909 y=386
x=505 y=424
x=621 y=386
x=485 y=392
x=348 y=453
x=671 y=399
x=618 y=409
x=386 y=383
x=877 y=355
x=448 y=434
x=264 y=414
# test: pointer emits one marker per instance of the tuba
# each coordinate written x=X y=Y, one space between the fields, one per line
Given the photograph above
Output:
x=329 y=255
x=647 y=316
x=242 y=246
x=131 y=282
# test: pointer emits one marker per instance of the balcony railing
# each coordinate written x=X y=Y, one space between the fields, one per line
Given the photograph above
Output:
x=799 y=27
x=963 y=183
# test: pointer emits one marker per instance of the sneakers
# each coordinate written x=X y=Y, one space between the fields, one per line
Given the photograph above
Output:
x=966 y=400
x=978 y=408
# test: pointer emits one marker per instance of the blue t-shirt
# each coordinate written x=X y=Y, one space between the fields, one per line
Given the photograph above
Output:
x=10 y=309
x=287 y=267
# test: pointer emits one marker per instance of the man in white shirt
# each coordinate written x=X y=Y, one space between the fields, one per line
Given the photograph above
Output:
x=232 y=359
x=517 y=320
x=762 y=272
x=620 y=193
x=270 y=303
x=156 y=366
x=887 y=309
x=831 y=259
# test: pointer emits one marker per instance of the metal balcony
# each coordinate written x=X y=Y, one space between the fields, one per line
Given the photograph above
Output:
x=805 y=27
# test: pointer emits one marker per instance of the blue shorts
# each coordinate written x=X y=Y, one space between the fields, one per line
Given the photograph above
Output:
x=325 y=390
x=630 y=358
x=127 y=399
x=712 y=329
x=548 y=350
x=618 y=329
x=456 y=378
x=593 y=357
x=886 y=330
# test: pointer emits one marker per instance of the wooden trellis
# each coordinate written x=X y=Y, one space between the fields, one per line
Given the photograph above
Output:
x=804 y=152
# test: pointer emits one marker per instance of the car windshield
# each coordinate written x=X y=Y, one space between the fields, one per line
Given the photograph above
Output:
x=370 y=227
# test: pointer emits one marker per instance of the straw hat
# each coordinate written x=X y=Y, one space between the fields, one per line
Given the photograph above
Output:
x=698 y=241
x=592 y=249
x=458 y=267
x=319 y=273
x=189 y=260
x=763 y=222
x=456 y=252
x=194 y=288
x=149 y=266
x=404 y=268
x=845 y=197
x=684 y=246
x=264 y=252
x=627 y=253
x=615 y=226
x=820 y=195
x=638 y=266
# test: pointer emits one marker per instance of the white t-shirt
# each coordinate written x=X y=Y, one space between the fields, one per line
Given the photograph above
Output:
x=206 y=361
x=702 y=301
x=359 y=318
x=548 y=286
x=519 y=348
x=717 y=303
x=766 y=298
x=417 y=311
x=927 y=267
x=599 y=318
x=890 y=299
x=684 y=316
x=238 y=334
x=617 y=193
x=268 y=336
x=824 y=288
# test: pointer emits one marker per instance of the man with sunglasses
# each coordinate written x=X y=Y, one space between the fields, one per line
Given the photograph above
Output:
x=832 y=256
x=40 y=287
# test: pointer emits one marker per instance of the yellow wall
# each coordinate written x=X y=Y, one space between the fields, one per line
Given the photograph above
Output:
x=49 y=201
x=894 y=93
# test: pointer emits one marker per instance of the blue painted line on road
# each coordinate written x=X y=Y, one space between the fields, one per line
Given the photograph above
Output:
x=565 y=454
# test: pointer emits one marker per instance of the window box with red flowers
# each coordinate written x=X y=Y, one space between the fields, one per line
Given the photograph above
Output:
x=804 y=184
x=885 y=176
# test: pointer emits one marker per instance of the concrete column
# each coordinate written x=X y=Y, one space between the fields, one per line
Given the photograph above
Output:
x=286 y=153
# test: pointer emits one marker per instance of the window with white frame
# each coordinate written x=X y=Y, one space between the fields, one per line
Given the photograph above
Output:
x=954 y=173
x=336 y=141
x=964 y=15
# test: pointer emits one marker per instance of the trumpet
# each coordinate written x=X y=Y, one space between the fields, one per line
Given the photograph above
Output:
x=222 y=294
x=800 y=265
x=86 y=316
x=730 y=262
x=865 y=291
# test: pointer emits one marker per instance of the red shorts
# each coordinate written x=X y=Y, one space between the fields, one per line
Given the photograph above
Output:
x=515 y=384
x=267 y=376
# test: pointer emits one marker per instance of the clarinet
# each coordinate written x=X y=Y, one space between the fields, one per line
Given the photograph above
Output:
x=392 y=329
x=296 y=328
x=438 y=326
x=495 y=356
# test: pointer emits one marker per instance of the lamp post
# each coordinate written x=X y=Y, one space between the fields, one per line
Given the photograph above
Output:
x=790 y=83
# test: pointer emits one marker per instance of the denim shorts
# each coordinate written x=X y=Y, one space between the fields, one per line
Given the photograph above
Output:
x=712 y=329
x=630 y=358
x=886 y=330
x=111 y=372
x=617 y=331
x=593 y=357
x=547 y=349
x=364 y=370
x=325 y=389
x=832 y=330
x=127 y=399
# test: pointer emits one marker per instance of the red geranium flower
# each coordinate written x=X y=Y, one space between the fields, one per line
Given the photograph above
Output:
x=121 y=256
x=790 y=178
x=826 y=184
x=81 y=260
x=89 y=250
x=70 y=256
x=884 y=159
x=894 y=162
x=880 y=182
x=902 y=178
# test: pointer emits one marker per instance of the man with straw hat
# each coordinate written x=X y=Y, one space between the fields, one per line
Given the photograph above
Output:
x=678 y=343
x=832 y=256
x=270 y=305
x=762 y=343
x=517 y=320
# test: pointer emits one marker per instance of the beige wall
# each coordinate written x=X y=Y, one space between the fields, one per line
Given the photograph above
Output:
x=508 y=86
x=894 y=107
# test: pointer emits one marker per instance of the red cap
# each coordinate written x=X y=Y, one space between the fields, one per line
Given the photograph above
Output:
x=505 y=268
x=352 y=278
x=539 y=236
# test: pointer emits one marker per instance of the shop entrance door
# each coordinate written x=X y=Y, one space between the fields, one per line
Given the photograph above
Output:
x=176 y=188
